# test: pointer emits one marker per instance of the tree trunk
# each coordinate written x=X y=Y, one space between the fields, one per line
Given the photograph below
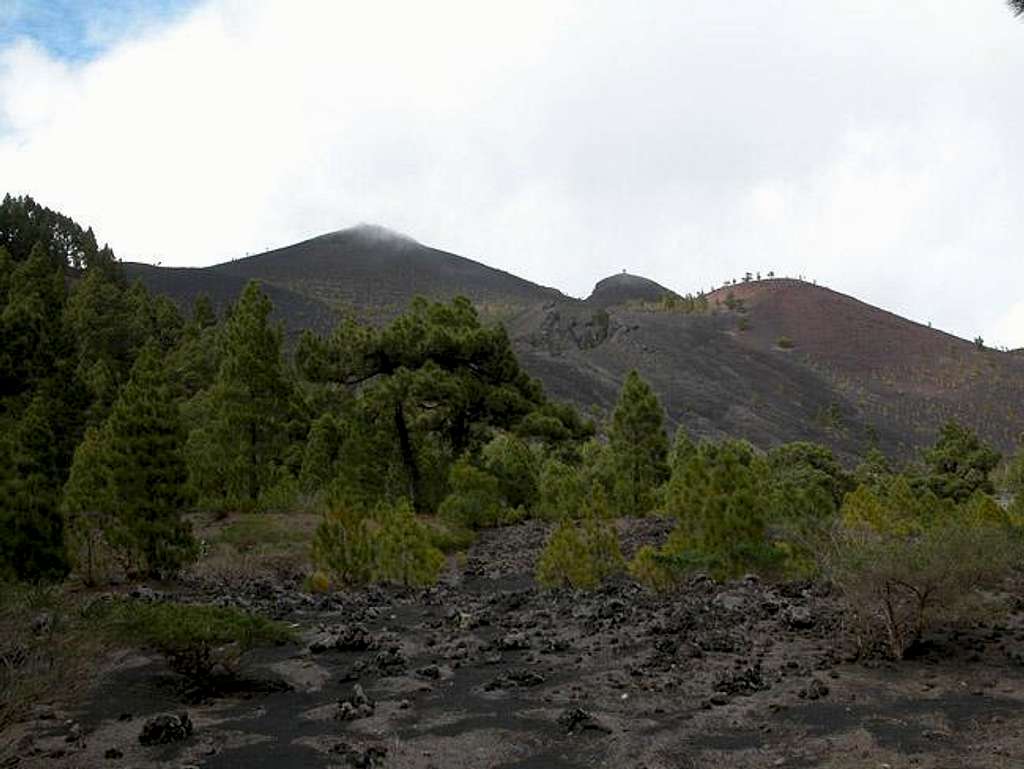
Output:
x=408 y=456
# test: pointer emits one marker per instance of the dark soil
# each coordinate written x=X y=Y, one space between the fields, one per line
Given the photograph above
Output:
x=486 y=670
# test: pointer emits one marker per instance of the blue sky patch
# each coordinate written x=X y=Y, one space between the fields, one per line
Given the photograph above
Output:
x=78 y=30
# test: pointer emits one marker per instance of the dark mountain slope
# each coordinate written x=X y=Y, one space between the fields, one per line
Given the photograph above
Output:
x=855 y=375
x=706 y=380
x=184 y=284
x=377 y=272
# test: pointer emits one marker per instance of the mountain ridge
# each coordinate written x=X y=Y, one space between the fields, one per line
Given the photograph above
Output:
x=771 y=360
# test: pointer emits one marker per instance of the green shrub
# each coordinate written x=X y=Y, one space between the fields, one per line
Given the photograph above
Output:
x=198 y=641
x=405 y=555
x=563 y=491
x=649 y=568
x=582 y=554
x=475 y=500
x=718 y=498
x=784 y=343
x=343 y=546
x=516 y=466
x=282 y=495
x=384 y=544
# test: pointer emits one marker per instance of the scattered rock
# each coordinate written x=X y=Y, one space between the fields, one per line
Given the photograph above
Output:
x=515 y=679
x=815 y=690
x=356 y=707
x=514 y=642
x=348 y=638
x=166 y=728
x=576 y=720
x=432 y=672
x=42 y=623
x=365 y=758
x=44 y=712
x=743 y=682
x=391 y=662
x=799 y=618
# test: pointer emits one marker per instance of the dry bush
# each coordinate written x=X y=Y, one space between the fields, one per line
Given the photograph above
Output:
x=900 y=581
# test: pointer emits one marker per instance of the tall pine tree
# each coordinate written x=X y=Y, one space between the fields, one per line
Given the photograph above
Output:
x=31 y=530
x=144 y=456
x=639 y=447
x=251 y=397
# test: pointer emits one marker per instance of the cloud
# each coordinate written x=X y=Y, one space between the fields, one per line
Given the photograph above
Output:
x=862 y=143
x=1010 y=327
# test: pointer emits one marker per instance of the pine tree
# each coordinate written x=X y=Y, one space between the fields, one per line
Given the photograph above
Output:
x=147 y=470
x=404 y=553
x=32 y=324
x=562 y=490
x=720 y=501
x=6 y=268
x=31 y=528
x=959 y=463
x=321 y=453
x=251 y=397
x=516 y=466
x=682 y=449
x=443 y=380
x=639 y=447
x=100 y=316
x=89 y=508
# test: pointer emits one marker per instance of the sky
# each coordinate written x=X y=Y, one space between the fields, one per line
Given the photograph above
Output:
x=871 y=146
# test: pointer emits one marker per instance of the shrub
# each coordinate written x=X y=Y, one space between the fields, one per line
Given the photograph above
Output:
x=515 y=465
x=475 y=500
x=563 y=491
x=802 y=488
x=385 y=544
x=905 y=565
x=583 y=554
x=404 y=552
x=784 y=343
x=198 y=641
x=718 y=498
x=650 y=567
x=342 y=545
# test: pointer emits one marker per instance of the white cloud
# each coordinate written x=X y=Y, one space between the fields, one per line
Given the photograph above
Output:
x=1010 y=327
x=864 y=143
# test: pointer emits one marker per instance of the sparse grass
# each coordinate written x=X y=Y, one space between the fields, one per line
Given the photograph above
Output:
x=447 y=538
x=49 y=647
x=254 y=545
x=253 y=531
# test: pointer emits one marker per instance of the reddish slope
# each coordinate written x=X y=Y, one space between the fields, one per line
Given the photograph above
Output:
x=898 y=369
